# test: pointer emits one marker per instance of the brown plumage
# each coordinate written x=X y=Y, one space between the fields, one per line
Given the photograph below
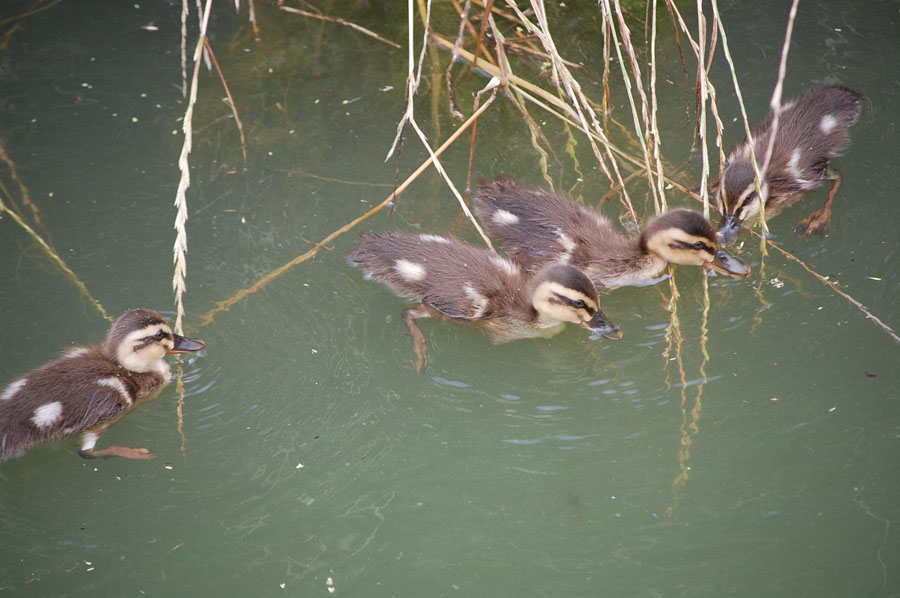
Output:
x=88 y=388
x=812 y=129
x=458 y=283
x=538 y=227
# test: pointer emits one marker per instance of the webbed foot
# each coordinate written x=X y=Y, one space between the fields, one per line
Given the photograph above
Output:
x=118 y=451
x=816 y=223
x=420 y=347
x=819 y=221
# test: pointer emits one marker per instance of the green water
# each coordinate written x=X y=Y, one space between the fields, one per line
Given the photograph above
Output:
x=316 y=457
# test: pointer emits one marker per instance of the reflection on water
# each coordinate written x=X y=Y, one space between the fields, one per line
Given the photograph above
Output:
x=727 y=456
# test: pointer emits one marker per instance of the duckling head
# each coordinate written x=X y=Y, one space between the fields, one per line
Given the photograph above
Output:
x=685 y=237
x=737 y=198
x=140 y=339
x=564 y=294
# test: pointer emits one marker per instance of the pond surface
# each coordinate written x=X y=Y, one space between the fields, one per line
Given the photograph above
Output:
x=314 y=460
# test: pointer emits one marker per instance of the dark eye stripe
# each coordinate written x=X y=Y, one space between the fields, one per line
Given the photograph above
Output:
x=160 y=335
x=575 y=303
x=751 y=197
x=687 y=245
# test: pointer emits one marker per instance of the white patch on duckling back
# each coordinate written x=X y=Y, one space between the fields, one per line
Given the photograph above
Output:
x=793 y=167
x=566 y=241
x=827 y=124
x=427 y=237
x=75 y=352
x=411 y=271
x=479 y=301
x=47 y=415
x=12 y=389
x=114 y=383
x=505 y=265
x=504 y=218
x=794 y=162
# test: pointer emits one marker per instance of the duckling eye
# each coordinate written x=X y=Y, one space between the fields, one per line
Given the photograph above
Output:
x=579 y=304
x=699 y=245
x=158 y=336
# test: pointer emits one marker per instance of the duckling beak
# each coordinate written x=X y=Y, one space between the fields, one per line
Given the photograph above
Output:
x=728 y=230
x=185 y=345
x=725 y=263
x=600 y=324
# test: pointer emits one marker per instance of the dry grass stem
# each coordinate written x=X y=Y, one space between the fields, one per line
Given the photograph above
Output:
x=336 y=20
x=528 y=89
x=488 y=6
x=654 y=123
x=201 y=26
x=234 y=110
x=251 y=9
x=678 y=22
x=184 y=18
x=451 y=89
x=412 y=78
x=470 y=28
x=412 y=85
x=703 y=81
x=180 y=247
x=643 y=134
x=775 y=105
x=221 y=306
x=515 y=96
x=580 y=104
x=737 y=90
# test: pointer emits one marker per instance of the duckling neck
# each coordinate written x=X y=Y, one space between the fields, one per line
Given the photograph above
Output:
x=133 y=364
x=633 y=265
x=541 y=326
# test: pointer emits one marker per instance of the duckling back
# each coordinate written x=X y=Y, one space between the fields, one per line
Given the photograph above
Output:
x=538 y=228
x=812 y=129
x=452 y=277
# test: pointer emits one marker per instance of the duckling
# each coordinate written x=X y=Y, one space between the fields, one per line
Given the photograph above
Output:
x=89 y=388
x=537 y=228
x=458 y=283
x=812 y=129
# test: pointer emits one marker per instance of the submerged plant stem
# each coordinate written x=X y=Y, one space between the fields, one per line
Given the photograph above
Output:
x=339 y=21
x=56 y=259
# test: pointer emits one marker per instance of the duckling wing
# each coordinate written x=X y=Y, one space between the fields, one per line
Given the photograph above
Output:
x=538 y=228
x=455 y=279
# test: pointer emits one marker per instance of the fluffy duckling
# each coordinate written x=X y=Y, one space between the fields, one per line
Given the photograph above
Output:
x=458 y=283
x=538 y=228
x=89 y=388
x=812 y=129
